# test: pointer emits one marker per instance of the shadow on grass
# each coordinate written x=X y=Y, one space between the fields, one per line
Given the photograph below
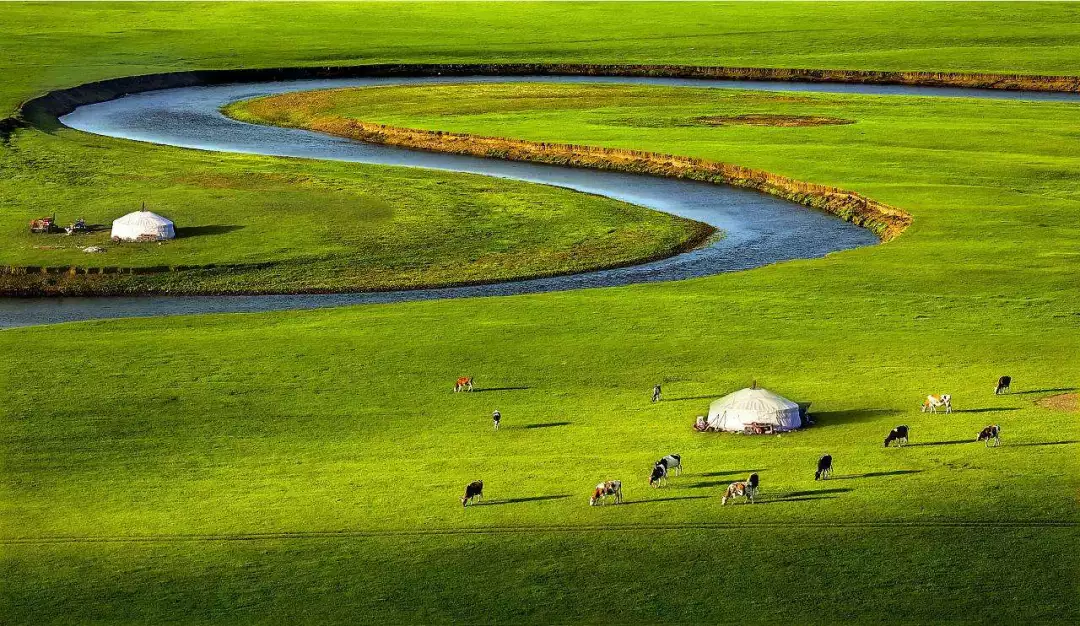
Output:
x=745 y=472
x=1044 y=443
x=671 y=499
x=499 y=389
x=799 y=499
x=940 y=443
x=1024 y=393
x=875 y=474
x=687 y=398
x=824 y=418
x=709 y=483
x=520 y=500
x=203 y=231
x=547 y=425
x=815 y=492
x=988 y=410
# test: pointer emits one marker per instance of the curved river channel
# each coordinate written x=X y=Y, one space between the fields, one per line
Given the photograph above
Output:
x=758 y=229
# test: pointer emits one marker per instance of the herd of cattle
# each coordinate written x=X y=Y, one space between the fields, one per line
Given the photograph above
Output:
x=745 y=488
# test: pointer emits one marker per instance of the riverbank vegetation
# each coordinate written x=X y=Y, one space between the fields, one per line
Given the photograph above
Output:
x=306 y=466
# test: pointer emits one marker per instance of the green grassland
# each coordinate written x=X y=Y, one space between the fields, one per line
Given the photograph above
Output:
x=288 y=225
x=47 y=46
x=305 y=466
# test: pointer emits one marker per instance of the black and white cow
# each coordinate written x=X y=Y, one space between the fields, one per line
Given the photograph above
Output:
x=824 y=467
x=993 y=431
x=605 y=489
x=672 y=462
x=742 y=489
x=474 y=490
x=899 y=435
x=658 y=475
x=1003 y=385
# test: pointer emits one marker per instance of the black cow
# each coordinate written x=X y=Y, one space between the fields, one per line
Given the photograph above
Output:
x=1003 y=385
x=899 y=435
x=824 y=467
x=475 y=489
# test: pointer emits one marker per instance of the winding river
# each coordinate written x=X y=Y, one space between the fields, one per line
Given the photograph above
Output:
x=758 y=229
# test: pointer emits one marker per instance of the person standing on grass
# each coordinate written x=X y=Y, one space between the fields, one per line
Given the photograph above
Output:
x=656 y=393
x=496 y=417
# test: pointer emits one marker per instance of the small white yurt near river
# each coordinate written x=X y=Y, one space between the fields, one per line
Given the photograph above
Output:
x=754 y=408
x=142 y=225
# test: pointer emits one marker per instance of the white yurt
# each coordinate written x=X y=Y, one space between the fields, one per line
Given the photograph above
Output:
x=736 y=411
x=142 y=225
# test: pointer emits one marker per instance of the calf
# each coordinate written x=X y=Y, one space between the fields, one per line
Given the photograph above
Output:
x=605 y=489
x=658 y=476
x=993 y=431
x=899 y=435
x=474 y=490
x=743 y=489
x=933 y=402
x=1003 y=385
x=672 y=462
x=824 y=467
x=465 y=382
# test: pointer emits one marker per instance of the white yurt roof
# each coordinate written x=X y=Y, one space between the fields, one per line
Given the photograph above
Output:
x=142 y=225
x=736 y=410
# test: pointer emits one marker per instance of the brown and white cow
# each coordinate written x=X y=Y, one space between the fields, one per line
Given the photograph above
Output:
x=742 y=489
x=463 y=383
x=605 y=489
x=473 y=491
x=933 y=402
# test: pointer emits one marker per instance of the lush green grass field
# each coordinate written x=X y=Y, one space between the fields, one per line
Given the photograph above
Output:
x=337 y=429
x=58 y=45
x=320 y=225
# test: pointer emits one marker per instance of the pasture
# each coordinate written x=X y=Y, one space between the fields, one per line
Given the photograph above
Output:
x=307 y=467
x=250 y=224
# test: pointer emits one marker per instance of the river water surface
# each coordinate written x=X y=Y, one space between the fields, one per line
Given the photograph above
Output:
x=758 y=229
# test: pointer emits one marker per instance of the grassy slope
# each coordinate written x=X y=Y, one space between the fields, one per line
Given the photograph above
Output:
x=48 y=46
x=323 y=225
x=306 y=406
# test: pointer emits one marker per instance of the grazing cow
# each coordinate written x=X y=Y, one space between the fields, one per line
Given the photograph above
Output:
x=933 y=402
x=658 y=475
x=672 y=462
x=743 y=489
x=496 y=417
x=993 y=431
x=824 y=467
x=463 y=383
x=1003 y=385
x=899 y=435
x=656 y=393
x=474 y=490
x=605 y=489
